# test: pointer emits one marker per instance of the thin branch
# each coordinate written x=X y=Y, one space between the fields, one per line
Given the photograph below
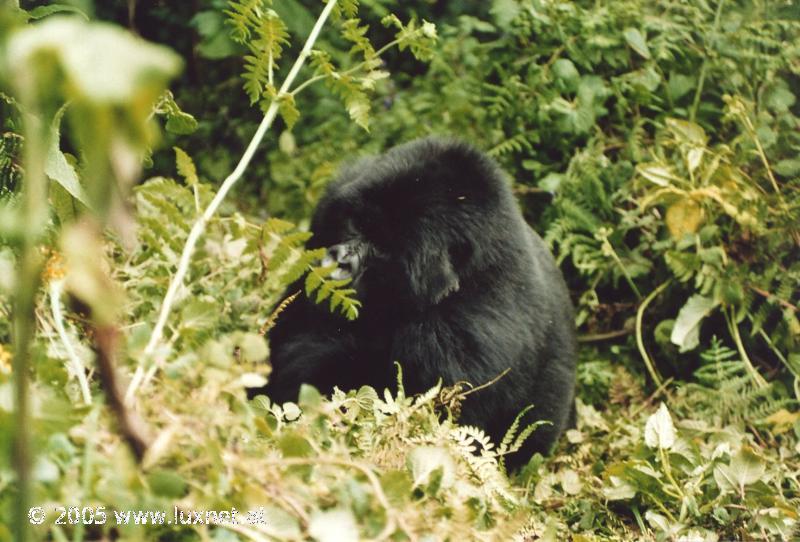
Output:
x=319 y=77
x=607 y=336
x=773 y=297
x=199 y=227
x=651 y=368
x=737 y=338
x=130 y=426
x=75 y=364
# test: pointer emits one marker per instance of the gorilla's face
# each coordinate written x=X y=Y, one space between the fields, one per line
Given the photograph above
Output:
x=405 y=230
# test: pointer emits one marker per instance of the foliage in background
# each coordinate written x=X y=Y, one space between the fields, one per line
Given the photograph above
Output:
x=654 y=144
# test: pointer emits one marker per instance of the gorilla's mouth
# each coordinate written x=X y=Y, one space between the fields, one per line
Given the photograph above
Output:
x=347 y=257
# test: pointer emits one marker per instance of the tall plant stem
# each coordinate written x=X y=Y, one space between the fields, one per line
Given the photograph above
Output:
x=199 y=227
x=651 y=368
x=702 y=78
x=33 y=214
x=758 y=380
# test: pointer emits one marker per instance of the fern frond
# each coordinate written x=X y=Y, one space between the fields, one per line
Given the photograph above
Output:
x=516 y=143
x=244 y=16
x=266 y=48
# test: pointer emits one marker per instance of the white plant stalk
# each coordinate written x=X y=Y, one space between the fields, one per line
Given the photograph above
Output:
x=74 y=362
x=140 y=377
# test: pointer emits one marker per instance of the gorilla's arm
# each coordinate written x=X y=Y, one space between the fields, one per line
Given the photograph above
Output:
x=308 y=346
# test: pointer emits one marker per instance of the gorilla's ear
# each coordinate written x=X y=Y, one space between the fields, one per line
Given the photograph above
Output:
x=432 y=276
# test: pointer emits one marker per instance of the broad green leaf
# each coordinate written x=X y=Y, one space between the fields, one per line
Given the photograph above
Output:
x=432 y=465
x=504 y=12
x=686 y=332
x=198 y=314
x=744 y=469
x=282 y=524
x=43 y=11
x=180 y=123
x=216 y=42
x=253 y=347
x=618 y=489
x=679 y=84
x=101 y=62
x=167 y=483
x=551 y=182
x=657 y=173
x=636 y=41
x=336 y=525
x=789 y=167
x=694 y=158
x=56 y=166
x=291 y=411
x=779 y=98
x=687 y=133
x=684 y=217
x=565 y=70
x=292 y=444
x=397 y=485
x=570 y=481
x=664 y=525
x=252 y=380
x=659 y=431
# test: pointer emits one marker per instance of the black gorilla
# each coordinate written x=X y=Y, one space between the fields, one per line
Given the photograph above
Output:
x=454 y=285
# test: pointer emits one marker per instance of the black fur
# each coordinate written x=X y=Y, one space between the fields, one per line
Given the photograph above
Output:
x=454 y=284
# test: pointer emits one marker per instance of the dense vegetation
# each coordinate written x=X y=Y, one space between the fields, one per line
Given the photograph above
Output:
x=654 y=145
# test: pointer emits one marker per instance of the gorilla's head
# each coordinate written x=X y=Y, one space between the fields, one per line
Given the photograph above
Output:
x=413 y=226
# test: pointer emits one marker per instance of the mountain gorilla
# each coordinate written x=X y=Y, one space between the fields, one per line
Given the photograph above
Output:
x=454 y=285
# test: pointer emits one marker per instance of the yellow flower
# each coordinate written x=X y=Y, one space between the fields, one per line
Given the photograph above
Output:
x=5 y=361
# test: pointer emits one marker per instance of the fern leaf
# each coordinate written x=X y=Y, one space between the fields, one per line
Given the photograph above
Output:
x=243 y=16
x=186 y=166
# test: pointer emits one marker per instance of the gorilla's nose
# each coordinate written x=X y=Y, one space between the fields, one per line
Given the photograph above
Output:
x=346 y=257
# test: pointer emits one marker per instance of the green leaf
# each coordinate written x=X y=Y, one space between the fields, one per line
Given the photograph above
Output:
x=198 y=314
x=101 y=62
x=564 y=69
x=744 y=469
x=618 y=489
x=56 y=166
x=432 y=467
x=253 y=347
x=216 y=42
x=659 y=431
x=679 y=85
x=570 y=482
x=43 y=11
x=687 y=133
x=789 y=167
x=657 y=173
x=504 y=12
x=358 y=108
x=167 y=483
x=686 y=333
x=186 y=167
x=295 y=445
x=181 y=123
x=288 y=110
x=335 y=525
x=636 y=41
